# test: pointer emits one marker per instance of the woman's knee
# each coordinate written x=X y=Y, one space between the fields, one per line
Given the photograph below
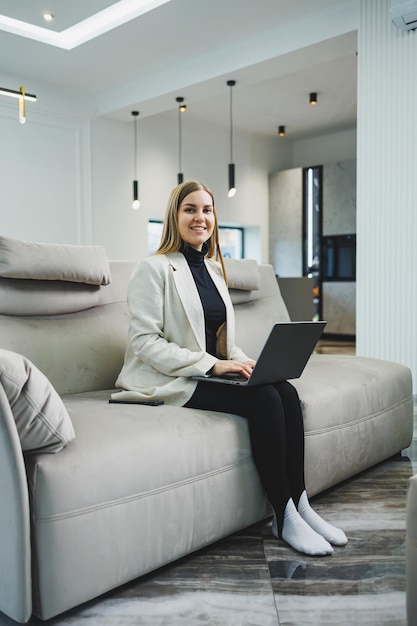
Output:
x=266 y=395
x=288 y=394
x=266 y=404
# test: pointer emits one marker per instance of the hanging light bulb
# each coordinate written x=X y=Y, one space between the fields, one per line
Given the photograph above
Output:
x=232 y=187
x=135 y=203
x=181 y=109
x=22 y=106
x=22 y=96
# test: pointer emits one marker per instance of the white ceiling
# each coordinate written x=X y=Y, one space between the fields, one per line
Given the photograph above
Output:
x=190 y=48
x=66 y=13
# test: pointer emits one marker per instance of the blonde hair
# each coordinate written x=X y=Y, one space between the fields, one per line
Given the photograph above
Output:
x=171 y=240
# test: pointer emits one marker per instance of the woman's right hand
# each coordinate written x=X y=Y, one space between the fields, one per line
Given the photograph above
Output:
x=225 y=366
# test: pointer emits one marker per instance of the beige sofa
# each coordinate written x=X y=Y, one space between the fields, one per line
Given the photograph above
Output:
x=140 y=486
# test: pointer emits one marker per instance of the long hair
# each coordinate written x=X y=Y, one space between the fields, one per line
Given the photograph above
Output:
x=171 y=240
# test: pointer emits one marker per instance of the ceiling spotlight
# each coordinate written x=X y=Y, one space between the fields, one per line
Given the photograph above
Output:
x=313 y=97
x=48 y=17
x=182 y=107
x=281 y=131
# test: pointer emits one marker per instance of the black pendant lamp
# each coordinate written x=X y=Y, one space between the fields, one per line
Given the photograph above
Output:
x=135 y=203
x=181 y=108
x=232 y=187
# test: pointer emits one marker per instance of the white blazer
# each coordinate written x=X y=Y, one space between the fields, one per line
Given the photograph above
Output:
x=166 y=343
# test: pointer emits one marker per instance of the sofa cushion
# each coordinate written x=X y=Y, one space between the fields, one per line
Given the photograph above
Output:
x=357 y=411
x=243 y=279
x=242 y=274
x=53 y=261
x=41 y=418
x=139 y=487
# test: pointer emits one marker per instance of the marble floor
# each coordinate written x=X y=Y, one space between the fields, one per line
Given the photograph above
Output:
x=253 y=579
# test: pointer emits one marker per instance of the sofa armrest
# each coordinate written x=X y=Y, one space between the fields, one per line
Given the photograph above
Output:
x=15 y=548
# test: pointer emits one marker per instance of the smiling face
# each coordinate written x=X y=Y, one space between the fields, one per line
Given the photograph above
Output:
x=196 y=219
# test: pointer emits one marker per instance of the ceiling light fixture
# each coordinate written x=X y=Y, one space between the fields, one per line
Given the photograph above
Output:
x=48 y=17
x=135 y=203
x=103 y=21
x=313 y=98
x=181 y=109
x=281 y=131
x=232 y=188
x=22 y=96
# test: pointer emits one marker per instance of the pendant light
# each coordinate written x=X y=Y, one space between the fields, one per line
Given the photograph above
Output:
x=22 y=97
x=181 y=108
x=232 y=188
x=313 y=98
x=135 y=203
x=281 y=131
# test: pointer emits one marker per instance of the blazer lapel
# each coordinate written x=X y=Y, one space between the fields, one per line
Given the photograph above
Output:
x=189 y=296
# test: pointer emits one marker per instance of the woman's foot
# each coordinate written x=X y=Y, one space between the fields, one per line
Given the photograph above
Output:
x=299 y=535
x=332 y=534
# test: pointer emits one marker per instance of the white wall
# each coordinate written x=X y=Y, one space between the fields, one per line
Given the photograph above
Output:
x=205 y=157
x=115 y=225
x=330 y=148
x=386 y=194
x=44 y=168
x=66 y=175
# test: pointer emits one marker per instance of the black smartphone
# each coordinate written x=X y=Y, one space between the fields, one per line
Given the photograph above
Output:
x=148 y=402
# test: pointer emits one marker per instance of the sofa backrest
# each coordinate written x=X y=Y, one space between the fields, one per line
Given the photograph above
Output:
x=76 y=333
x=256 y=314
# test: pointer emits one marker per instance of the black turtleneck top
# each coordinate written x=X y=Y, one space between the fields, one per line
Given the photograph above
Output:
x=213 y=305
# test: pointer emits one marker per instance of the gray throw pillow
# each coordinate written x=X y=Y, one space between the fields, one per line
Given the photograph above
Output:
x=41 y=418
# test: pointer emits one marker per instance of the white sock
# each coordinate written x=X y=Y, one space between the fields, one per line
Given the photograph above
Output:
x=299 y=535
x=332 y=534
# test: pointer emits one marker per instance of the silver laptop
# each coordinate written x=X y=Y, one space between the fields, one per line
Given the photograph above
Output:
x=284 y=355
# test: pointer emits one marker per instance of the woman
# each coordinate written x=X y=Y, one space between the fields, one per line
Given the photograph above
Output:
x=182 y=325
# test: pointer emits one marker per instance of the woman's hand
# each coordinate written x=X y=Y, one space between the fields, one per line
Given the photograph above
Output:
x=224 y=366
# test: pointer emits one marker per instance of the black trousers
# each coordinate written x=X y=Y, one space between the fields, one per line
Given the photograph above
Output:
x=276 y=432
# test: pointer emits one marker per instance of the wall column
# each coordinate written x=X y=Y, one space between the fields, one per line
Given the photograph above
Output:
x=386 y=316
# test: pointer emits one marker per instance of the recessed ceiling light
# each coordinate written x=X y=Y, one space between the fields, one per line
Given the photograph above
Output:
x=107 y=19
x=48 y=17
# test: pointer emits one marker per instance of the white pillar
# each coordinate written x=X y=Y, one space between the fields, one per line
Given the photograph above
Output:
x=386 y=316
